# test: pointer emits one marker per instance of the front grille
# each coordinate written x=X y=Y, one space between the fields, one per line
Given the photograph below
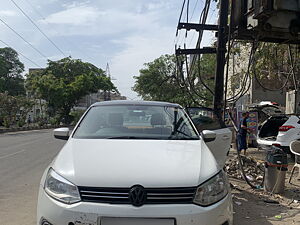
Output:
x=183 y=195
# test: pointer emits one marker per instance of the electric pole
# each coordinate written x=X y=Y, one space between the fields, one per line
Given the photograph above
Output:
x=108 y=96
x=221 y=51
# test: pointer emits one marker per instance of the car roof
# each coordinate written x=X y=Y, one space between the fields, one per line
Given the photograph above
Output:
x=131 y=102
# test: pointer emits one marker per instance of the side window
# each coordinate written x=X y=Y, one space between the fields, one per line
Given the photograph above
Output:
x=204 y=118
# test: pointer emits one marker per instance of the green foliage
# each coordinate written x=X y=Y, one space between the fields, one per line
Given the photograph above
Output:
x=157 y=81
x=206 y=72
x=54 y=121
x=76 y=115
x=11 y=69
x=6 y=122
x=64 y=82
x=21 y=122
x=13 y=108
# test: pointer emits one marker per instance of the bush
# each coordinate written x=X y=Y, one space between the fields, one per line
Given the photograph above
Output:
x=6 y=122
x=54 y=121
x=21 y=123
x=76 y=116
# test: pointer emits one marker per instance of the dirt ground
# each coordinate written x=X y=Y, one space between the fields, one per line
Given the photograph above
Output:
x=250 y=205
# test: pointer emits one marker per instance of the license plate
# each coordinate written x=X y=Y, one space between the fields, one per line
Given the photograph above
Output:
x=135 y=221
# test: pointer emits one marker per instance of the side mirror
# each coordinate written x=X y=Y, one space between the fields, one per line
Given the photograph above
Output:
x=62 y=133
x=209 y=135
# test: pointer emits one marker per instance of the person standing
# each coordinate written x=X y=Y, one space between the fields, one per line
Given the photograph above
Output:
x=242 y=133
x=29 y=120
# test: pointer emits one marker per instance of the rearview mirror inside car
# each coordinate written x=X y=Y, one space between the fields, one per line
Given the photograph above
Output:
x=62 y=133
x=209 y=135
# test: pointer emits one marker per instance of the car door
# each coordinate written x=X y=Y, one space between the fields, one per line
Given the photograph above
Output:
x=205 y=119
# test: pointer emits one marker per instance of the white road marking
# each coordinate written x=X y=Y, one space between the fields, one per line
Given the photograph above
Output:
x=12 y=154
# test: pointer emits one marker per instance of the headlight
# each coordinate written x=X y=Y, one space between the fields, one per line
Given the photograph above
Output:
x=212 y=190
x=61 y=189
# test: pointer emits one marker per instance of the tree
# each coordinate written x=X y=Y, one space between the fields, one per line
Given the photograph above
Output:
x=14 y=108
x=159 y=81
x=11 y=69
x=64 y=82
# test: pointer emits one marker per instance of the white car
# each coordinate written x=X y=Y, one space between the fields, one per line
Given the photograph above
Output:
x=279 y=131
x=137 y=163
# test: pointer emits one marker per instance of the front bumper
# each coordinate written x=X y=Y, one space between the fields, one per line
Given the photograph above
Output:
x=85 y=213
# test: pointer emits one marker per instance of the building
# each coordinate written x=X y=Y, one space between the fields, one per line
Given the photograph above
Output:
x=100 y=96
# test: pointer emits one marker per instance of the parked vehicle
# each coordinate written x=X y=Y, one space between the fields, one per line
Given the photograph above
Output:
x=133 y=163
x=265 y=109
x=279 y=131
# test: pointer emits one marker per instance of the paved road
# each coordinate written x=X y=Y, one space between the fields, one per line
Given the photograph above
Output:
x=23 y=158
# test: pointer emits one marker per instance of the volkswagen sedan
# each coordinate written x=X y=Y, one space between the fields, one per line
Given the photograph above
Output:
x=137 y=163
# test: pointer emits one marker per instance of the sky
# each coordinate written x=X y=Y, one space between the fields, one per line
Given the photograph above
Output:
x=124 y=33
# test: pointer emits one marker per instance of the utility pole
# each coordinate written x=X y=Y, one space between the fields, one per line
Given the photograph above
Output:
x=221 y=51
x=107 y=94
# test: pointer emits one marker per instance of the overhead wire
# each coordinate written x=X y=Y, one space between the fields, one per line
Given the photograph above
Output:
x=244 y=90
x=291 y=72
x=181 y=13
x=68 y=41
x=19 y=35
x=194 y=9
x=36 y=11
x=203 y=19
x=39 y=29
x=30 y=60
x=188 y=83
x=293 y=68
x=191 y=83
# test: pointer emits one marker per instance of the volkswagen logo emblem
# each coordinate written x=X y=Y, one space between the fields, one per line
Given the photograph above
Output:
x=137 y=195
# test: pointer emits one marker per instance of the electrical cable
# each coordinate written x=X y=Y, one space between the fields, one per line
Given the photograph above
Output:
x=187 y=15
x=192 y=86
x=284 y=84
x=68 y=41
x=195 y=6
x=200 y=78
x=244 y=82
x=202 y=20
x=184 y=85
x=22 y=55
x=227 y=60
x=42 y=32
x=179 y=72
x=180 y=75
x=36 y=11
x=246 y=77
x=13 y=30
x=293 y=68
x=180 y=16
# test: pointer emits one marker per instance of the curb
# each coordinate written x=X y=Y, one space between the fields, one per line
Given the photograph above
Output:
x=7 y=130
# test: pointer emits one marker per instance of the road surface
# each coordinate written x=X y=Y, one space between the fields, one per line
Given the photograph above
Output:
x=23 y=158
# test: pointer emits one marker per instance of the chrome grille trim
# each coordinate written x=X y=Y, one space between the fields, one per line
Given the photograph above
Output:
x=184 y=195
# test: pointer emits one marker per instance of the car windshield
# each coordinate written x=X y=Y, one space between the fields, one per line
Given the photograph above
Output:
x=136 y=122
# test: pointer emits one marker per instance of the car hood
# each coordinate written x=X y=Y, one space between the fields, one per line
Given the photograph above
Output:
x=124 y=163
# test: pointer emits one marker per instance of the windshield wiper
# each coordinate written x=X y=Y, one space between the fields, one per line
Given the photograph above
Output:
x=129 y=137
x=174 y=137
